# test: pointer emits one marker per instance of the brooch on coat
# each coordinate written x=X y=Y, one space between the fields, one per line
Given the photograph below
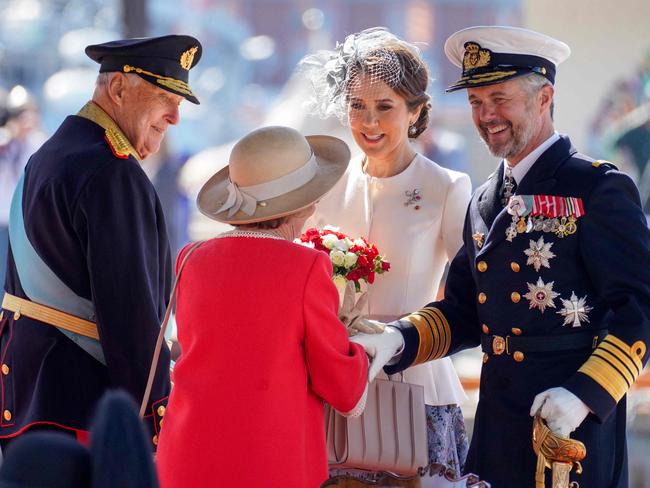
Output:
x=546 y=213
x=413 y=197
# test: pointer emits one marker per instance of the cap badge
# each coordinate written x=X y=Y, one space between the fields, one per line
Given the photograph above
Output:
x=187 y=57
x=475 y=56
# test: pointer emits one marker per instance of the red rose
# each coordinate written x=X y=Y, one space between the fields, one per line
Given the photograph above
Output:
x=371 y=277
x=385 y=266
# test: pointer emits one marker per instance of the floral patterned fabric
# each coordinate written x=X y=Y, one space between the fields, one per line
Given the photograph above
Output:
x=448 y=445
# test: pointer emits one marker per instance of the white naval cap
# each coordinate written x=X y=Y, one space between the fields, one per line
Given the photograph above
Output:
x=493 y=54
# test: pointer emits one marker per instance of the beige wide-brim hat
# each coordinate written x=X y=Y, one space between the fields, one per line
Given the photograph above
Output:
x=273 y=172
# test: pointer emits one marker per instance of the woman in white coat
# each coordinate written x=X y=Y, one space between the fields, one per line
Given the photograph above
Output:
x=410 y=207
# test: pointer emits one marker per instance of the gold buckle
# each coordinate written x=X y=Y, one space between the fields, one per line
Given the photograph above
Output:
x=500 y=345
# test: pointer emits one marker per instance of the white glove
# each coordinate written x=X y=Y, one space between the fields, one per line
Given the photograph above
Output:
x=562 y=410
x=380 y=347
x=367 y=326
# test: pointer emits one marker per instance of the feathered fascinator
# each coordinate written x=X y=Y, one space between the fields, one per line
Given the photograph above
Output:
x=334 y=74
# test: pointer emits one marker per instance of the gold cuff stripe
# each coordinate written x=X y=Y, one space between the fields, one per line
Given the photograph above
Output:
x=50 y=316
x=438 y=333
x=445 y=324
x=447 y=332
x=425 y=335
x=620 y=356
x=629 y=351
x=615 y=364
x=600 y=371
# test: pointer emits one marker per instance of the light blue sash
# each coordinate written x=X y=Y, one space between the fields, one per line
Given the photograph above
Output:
x=40 y=283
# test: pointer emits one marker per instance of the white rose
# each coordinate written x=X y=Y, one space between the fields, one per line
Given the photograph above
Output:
x=331 y=227
x=359 y=242
x=337 y=257
x=341 y=245
x=350 y=259
x=330 y=240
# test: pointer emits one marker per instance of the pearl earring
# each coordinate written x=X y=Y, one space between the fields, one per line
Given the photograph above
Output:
x=412 y=130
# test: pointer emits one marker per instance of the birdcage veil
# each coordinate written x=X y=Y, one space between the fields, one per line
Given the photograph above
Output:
x=334 y=74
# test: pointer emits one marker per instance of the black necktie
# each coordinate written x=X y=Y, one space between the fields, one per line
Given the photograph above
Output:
x=509 y=186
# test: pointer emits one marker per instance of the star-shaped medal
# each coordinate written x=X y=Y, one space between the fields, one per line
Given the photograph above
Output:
x=541 y=295
x=539 y=253
x=575 y=310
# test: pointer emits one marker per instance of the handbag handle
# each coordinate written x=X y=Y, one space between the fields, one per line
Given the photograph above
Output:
x=161 y=334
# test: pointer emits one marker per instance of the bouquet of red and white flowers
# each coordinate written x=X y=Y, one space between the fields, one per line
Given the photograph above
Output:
x=352 y=259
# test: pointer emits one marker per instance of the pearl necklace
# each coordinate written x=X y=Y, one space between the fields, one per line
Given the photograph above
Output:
x=249 y=233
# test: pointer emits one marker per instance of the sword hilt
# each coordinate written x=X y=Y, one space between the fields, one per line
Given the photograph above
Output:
x=556 y=452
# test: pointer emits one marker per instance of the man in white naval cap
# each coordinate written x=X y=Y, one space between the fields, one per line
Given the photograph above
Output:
x=552 y=281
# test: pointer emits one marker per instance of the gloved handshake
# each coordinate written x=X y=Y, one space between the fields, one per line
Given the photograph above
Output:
x=381 y=342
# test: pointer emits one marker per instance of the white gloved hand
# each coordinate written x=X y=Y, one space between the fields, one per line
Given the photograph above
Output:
x=367 y=326
x=350 y=311
x=380 y=347
x=562 y=410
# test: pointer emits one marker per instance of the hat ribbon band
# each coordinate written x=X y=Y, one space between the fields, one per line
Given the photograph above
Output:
x=245 y=198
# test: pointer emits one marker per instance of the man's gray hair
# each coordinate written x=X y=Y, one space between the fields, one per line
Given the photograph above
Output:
x=533 y=83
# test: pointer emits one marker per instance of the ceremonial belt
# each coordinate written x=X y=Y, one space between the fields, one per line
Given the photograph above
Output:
x=50 y=316
x=496 y=345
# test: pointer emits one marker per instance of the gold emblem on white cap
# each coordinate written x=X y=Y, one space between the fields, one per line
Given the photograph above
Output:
x=187 y=57
x=475 y=57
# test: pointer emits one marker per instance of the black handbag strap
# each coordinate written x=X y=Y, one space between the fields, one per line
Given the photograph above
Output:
x=163 y=329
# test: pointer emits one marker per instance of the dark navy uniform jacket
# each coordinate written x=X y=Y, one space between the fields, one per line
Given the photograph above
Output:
x=575 y=314
x=92 y=218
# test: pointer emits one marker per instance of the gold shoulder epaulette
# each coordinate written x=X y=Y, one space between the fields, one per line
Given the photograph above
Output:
x=601 y=162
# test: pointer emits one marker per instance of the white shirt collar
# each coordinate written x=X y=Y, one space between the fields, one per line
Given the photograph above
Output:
x=520 y=170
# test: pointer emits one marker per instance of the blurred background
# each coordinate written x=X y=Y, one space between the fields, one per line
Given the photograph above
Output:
x=247 y=78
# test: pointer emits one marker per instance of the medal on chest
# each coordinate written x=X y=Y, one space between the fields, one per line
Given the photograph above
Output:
x=546 y=213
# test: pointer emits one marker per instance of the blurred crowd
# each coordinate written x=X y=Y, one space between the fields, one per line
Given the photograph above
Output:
x=620 y=131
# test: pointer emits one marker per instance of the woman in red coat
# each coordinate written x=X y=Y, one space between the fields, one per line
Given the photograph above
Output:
x=262 y=347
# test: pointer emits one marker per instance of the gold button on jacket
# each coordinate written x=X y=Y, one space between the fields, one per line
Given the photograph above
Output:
x=7 y=415
x=482 y=266
x=5 y=369
x=515 y=297
x=515 y=267
x=482 y=297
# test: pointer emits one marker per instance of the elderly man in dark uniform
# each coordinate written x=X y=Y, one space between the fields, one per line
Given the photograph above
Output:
x=552 y=281
x=89 y=266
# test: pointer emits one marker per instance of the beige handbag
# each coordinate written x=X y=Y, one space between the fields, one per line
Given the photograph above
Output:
x=390 y=435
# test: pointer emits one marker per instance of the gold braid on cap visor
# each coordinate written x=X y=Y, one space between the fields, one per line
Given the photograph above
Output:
x=173 y=83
